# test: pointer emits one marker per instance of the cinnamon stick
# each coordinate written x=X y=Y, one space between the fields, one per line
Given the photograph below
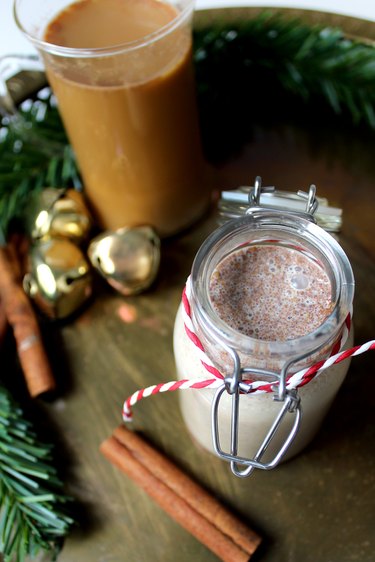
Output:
x=185 y=487
x=3 y=322
x=183 y=499
x=17 y=247
x=22 y=319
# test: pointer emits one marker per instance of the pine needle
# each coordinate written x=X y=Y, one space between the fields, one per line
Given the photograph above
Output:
x=32 y=517
x=34 y=153
x=253 y=69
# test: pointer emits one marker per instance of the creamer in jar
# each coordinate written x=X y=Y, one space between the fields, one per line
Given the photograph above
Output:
x=270 y=291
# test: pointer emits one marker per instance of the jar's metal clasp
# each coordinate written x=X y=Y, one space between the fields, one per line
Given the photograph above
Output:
x=257 y=190
x=247 y=200
x=289 y=404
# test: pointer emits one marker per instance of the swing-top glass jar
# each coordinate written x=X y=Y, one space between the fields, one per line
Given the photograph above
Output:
x=270 y=294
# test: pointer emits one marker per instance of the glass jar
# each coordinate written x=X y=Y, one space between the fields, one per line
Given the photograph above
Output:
x=260 y=358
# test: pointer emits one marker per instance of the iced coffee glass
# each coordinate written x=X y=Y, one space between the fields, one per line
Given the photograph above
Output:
x=123 y=76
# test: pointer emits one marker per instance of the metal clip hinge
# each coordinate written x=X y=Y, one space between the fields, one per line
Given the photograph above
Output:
x=290 y=404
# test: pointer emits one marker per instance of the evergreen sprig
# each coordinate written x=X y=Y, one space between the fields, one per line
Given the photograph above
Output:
x=34 y=153
x=32 y=516
x=254 y=69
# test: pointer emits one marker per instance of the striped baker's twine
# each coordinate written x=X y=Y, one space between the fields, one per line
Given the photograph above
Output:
x=296 y=380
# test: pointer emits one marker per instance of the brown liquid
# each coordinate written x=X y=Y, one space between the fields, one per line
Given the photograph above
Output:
x=131 y=116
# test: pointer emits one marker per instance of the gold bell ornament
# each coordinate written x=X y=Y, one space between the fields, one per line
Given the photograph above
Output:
x=128 y=258
x=58 y=212
x=58 y=278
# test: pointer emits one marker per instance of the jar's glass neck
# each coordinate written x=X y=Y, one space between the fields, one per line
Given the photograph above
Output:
x=278 y=229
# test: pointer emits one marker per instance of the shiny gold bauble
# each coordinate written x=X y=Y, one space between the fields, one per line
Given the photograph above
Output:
x=57 y=212
x=58 y=278
x=127 y=258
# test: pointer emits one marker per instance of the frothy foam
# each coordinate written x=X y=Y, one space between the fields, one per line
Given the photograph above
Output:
x=271 y=293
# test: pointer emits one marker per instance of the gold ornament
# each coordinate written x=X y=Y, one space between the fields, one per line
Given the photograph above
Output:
x=57 y=212
x=128 y=258
x=59 y=278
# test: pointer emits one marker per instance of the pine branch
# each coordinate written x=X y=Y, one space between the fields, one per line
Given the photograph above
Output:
x=34 y=153
x=252 y=70
x=32 y=516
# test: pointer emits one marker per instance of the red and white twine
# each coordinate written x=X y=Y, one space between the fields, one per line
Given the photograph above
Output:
x=215 y=379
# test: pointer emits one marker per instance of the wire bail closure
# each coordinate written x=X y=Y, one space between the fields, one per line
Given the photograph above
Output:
x=235 y=386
